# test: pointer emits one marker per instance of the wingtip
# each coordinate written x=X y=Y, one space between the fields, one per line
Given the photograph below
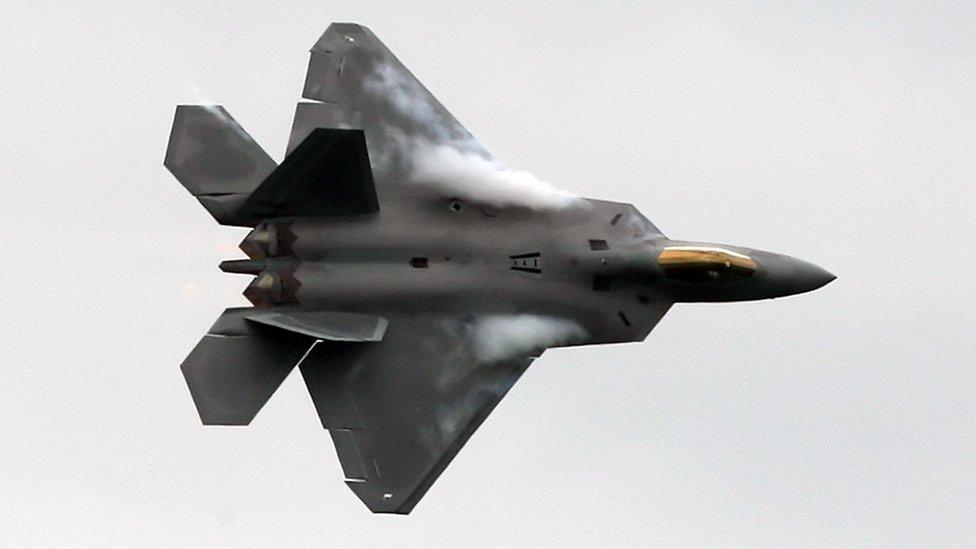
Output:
x=349 y=31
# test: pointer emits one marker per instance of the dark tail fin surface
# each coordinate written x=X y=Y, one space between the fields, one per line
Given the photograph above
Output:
x=239 y=184
x=327 y=174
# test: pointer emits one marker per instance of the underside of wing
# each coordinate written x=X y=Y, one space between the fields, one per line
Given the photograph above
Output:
x=399 y=410
x=357 y=83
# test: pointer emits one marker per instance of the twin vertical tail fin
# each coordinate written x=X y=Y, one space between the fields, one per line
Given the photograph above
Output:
x=239 y=184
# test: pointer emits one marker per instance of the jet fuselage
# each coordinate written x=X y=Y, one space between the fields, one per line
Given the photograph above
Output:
x=597 y=261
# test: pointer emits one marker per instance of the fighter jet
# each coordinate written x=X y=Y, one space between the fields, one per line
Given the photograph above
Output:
x=410 y=275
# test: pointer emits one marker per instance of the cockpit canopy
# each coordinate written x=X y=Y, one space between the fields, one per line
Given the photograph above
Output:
x=702 y=264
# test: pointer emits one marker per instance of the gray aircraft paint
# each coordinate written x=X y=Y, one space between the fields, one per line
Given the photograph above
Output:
x=433 y=280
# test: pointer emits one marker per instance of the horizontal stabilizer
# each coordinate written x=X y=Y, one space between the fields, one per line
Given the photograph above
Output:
x=327 y=325
x=216 y=160
x=238 y=365
x=327 y=174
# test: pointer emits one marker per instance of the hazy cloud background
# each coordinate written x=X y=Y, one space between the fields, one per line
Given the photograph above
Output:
x=842 y=133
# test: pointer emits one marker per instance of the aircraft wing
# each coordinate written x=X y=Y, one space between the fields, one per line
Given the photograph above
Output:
x=355 y=82
x=399 y=410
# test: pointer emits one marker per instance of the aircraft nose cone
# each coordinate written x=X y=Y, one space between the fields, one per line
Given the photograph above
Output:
x=782 y=275
x=809 y=277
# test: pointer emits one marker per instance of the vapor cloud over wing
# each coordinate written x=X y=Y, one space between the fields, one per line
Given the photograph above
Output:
x=467 y=175
x=444 y=156
x=499 y=337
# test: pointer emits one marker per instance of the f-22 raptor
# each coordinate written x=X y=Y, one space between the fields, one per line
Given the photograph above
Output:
x=410 y=275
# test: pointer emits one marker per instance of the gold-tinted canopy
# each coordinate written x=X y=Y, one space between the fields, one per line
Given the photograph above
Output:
x=704 y=263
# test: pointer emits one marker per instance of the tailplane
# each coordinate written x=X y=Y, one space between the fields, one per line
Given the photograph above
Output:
x=248 y=352
x=238 y=365
x=217 y=161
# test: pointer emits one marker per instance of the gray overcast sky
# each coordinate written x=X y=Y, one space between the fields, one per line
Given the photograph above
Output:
x=842 y=133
